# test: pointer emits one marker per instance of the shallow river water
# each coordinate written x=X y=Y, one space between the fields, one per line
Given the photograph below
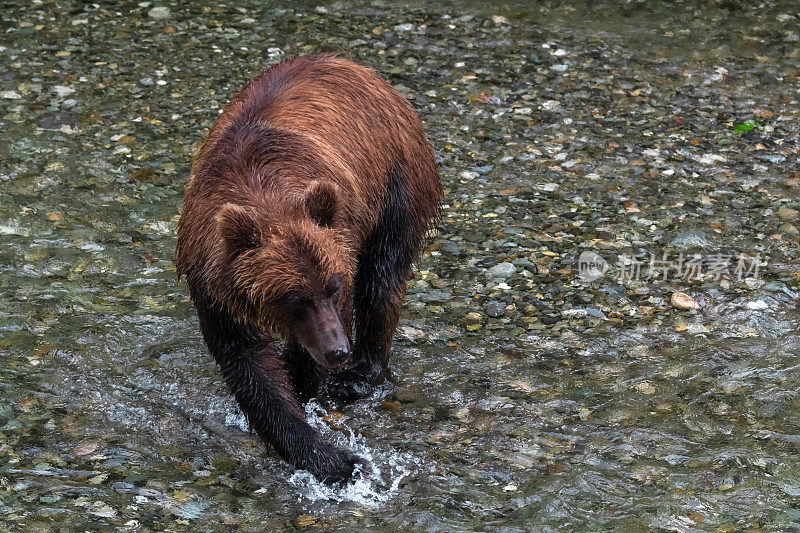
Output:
x=525 y=397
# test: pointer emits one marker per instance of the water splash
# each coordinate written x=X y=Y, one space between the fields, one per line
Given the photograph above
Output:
x=389 y=468
x=234 y=417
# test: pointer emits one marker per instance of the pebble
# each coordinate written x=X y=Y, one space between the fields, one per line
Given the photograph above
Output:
x=696 y=329
x=574 y=313
x=681 y=300
x=435 y=296
x=62 y=90
x=408 y=394
x=451 y=248
x=495 y=308
x=775 y=286
x=159 y=13
x=410 y=333
x=472 y=321
x=501 y=270
x=597 y=313
x=757 y=305
x=389 y=405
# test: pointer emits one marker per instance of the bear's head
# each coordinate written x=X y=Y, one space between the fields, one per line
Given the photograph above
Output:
x=290 y=269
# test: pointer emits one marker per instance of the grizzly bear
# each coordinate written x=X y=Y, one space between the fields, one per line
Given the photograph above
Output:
x=304 y=212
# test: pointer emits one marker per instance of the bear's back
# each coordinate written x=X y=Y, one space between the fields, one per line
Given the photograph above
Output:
x=352 y=118
x=316 y=117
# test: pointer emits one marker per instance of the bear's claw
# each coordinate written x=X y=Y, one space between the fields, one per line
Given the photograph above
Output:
x=356 y=383
x=347 y=391
x=336 y=466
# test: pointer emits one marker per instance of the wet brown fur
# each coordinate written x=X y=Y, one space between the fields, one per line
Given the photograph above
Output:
x=317 y=167
x=317 y=132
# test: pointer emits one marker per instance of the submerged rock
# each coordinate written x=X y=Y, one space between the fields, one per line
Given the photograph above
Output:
x=501 y=270
x=681 y=300
x=159 y=13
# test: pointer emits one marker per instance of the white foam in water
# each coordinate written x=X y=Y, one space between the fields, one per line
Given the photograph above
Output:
x=234 y=417
x=389 y=469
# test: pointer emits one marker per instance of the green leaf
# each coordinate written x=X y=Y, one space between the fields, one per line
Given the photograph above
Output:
x=748 y=125
x=745 y=126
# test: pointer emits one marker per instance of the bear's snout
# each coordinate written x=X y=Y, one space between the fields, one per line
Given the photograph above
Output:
x=321 y=334
x=337 y=357
x=337 y=350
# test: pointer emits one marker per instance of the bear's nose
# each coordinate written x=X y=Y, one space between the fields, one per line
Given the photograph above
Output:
x=337 y=357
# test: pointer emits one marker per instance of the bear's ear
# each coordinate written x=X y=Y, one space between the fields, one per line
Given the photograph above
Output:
x=322 y=202
x=238 y=228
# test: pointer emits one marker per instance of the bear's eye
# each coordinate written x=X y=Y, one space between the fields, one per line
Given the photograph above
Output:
x=297 y=299
x=334 y=286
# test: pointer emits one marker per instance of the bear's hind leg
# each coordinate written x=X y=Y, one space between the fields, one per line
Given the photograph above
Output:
x=256 y=376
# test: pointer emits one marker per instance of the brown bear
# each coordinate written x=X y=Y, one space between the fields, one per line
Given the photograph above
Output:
x=305 y=209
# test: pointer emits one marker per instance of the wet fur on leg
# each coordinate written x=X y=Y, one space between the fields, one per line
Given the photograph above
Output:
x=256 y=375
x=384 y=266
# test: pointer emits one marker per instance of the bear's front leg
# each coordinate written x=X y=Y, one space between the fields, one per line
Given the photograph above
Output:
x=376 y=319
x=384 y=266
x=255 y=373
x=262 y=388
